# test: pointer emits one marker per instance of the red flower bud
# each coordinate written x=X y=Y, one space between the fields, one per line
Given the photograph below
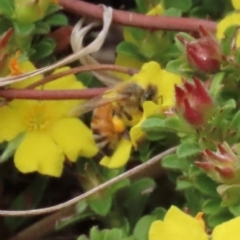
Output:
x=193 y=102
x=222 y=166
x=203 y=54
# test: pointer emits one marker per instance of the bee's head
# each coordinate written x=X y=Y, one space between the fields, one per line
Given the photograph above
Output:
x=150 y=94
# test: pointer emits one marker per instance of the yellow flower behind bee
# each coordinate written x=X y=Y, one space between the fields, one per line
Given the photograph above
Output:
x=47 y=134
x=151 y=73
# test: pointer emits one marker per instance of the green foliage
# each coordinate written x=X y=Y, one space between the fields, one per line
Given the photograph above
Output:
x=184 y=5
x=43 y=49
x=28 y=199
x=7 y=8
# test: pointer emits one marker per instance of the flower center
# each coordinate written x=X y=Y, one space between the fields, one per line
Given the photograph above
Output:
x=38 y=117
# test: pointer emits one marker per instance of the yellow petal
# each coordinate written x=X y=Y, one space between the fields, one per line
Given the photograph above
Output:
x=228 y=230
x=66 y=82
x=74 y=138
x=156 y=11
x=236 y=4
x=10 y=124
x=177 y=225
x=147 y=74
x=149 y=109
x=232 y=19
x=156 y=231
x=26 y=66
x=166 y=82
x=120 y=156
x=129 y=61
x=38 y=152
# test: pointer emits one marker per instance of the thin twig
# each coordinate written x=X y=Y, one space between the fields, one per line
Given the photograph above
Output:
x=91 y=192
x=139 y=20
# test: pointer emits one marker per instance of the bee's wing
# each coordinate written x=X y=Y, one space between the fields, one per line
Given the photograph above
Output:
x=92 y=104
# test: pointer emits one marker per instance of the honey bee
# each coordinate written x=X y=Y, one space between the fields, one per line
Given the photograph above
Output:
x=113 y=115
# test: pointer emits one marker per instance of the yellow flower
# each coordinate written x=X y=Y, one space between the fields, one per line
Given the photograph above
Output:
x=232 y=19
x=178 y=225
x=227 y=230
x=150 y=74
x=156 y=11
x=47 y=134
x=236 y=4
x=120 y=155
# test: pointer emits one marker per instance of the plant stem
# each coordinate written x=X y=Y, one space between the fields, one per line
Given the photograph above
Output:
x=139 y=20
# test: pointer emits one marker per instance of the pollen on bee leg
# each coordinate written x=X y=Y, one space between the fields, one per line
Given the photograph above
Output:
x=118 y=124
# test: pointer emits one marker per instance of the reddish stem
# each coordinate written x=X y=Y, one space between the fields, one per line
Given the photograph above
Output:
x=51 y=94
x=139 y=20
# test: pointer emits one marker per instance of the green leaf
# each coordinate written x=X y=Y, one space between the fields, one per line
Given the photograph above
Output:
x=142 y=227
x=154 y=124
x=57 y=19
x=82 y=237
x=94 y=233
x=11 y=147
x=157 y=125
x=144 y=6
x=183 y=5
x=229 y=105
x=159 y=213
x=230 y=194
x=211 y=206
x=134 y=198
x=181 y=46
x=116 y=234
x=217 y=219
x=81 y=206
x=7 y=8
x=28 y=199
x=205 y=185
x=235 y=120
x=173 y=162
x=53 y=8
x=235 y=210
x=23 y=29
x=101 y=203
x=216 y=84
x=226 y=43
x=43 y=49
x=172 y=12
x=129 y=49
x=188 y=149
x=179 y=66
x=194 y=200
x=41 y=28
x=183 y=184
